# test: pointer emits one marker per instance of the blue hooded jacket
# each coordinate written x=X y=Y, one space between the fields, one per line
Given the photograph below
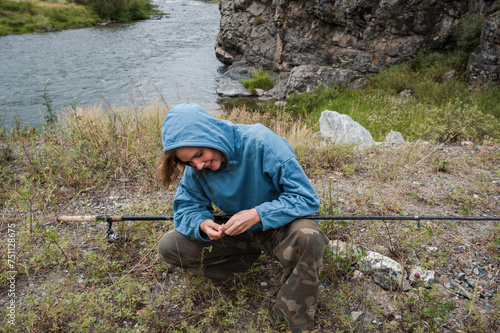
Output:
x=261 y=172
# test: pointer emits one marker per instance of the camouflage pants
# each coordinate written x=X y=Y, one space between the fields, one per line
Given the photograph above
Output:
x=298 y=246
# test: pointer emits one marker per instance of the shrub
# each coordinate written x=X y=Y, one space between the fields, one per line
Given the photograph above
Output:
x=122 y=9
x=138 y=9
x=467 y=32
x=306 y=103
x=11 y=6
x=259 y=80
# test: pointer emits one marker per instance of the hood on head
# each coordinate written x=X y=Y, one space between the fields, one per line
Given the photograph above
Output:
x=189 y=125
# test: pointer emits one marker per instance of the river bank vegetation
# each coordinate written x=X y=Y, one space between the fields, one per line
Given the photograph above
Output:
x=27 y=16
x=426 y=98
x=100 y=160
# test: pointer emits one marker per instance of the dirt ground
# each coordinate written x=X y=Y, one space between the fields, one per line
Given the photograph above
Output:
x=443 y=180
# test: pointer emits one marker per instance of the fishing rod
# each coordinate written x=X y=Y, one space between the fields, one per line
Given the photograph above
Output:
x=112 y=236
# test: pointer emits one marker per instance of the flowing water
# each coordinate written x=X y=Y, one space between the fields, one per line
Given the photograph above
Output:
x=171 y=59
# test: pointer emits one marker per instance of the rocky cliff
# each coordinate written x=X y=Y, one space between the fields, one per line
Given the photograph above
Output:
x=327 y=41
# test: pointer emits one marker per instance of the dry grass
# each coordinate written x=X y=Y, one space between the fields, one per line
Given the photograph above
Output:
x=100 y=161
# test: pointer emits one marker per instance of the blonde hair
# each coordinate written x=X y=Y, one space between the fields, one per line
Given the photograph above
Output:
x=169 y=168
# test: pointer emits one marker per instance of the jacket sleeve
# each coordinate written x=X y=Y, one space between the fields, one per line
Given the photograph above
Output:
x=298 y=197
x=191 y=207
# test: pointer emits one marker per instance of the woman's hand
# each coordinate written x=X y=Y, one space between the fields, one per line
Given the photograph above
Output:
x=241 y=222
x=212 y=229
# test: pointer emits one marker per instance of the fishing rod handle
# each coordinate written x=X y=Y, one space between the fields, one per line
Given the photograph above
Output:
x=89 y=218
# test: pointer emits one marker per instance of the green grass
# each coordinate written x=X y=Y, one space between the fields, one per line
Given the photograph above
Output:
x=494 y=244
x=437 y=110
x=18 y=17
x=25 y=17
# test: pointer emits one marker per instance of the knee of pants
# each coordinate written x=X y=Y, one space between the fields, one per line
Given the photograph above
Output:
x=168 y=248
x=308 y=235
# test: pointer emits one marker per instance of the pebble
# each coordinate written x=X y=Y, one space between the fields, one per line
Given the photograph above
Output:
x=357 y=274
x=472 y=282
x=481 y=272
x=355 y=315
x=432 y=249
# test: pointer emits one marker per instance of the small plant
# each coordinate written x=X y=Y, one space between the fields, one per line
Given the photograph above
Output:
x=259 y=80
x=6 y=155
x=338 y=260
x=331 y=228
x=466 y=208
x=52 y=237
x=494 y=244
x=258 y=20
x=430 y=306
x=25 y=198
x=50 y=115
x=348 y=170
x=441 y=166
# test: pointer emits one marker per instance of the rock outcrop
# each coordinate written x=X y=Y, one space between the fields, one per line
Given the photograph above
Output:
x=346 y=39
x=484 y=64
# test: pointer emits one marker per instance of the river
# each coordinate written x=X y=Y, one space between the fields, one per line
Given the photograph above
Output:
x=171 y=59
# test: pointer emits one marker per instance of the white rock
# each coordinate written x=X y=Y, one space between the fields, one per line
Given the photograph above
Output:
x=432 y=249
x=357 y=274
x=341 y=128
x=394 y=138
x=425 y=275
x=342 y=248
x=377 y=262
x=355 y=315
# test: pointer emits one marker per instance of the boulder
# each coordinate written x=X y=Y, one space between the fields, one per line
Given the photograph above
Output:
x=394 y=138
x=229 y=87
x=230 y=83
x=375 y=261
x=306 y=78
x=340 y=128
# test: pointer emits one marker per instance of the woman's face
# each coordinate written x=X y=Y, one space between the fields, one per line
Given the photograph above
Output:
x=201 y=157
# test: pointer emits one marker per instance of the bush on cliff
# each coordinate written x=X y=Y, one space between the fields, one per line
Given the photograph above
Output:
x=468 y=32
x=259 y=80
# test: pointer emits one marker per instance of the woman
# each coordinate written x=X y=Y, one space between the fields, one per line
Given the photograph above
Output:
x=252 y=174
